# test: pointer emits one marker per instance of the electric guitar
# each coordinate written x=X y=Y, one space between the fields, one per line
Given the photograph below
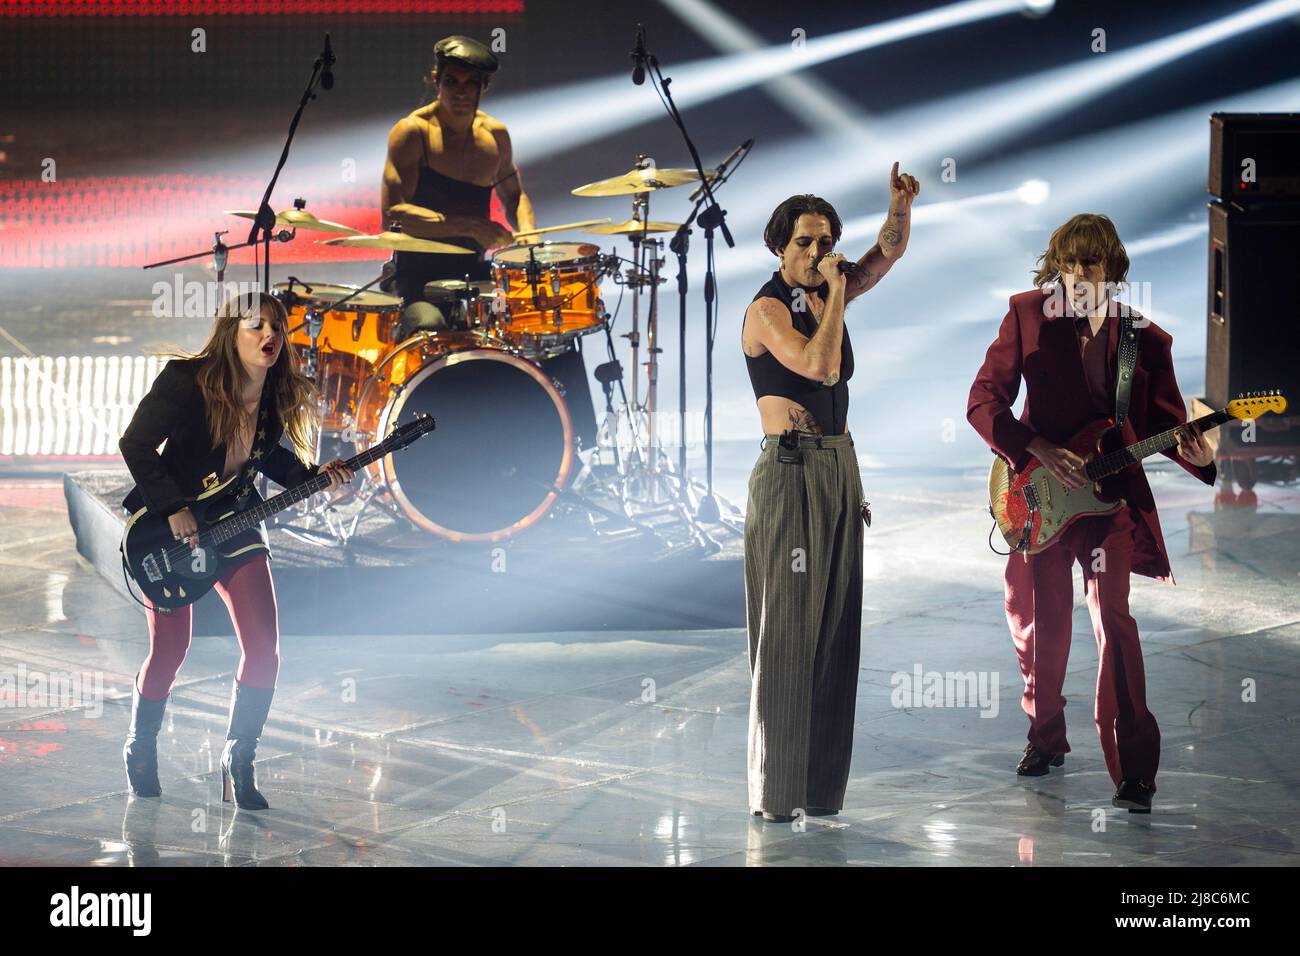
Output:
x=172 y=574
x=1032 y=508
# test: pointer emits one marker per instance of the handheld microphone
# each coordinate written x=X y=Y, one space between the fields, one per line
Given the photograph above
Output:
x=848 y=268
x=639 y=57
x=327 y=66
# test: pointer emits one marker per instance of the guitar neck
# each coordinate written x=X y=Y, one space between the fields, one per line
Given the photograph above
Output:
x=1116 y=461
x=227 y=529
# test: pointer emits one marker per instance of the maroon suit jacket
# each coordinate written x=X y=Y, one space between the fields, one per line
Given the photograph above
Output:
x=1043 y=350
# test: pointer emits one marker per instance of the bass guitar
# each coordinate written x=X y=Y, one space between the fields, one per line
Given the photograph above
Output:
x=1032 y=508
x=174 y=574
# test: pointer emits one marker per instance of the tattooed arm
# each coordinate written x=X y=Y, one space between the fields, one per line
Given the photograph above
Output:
x=891 y=243
x=769 y=327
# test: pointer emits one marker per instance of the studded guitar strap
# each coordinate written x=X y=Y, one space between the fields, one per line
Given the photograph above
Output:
x=1129 y=331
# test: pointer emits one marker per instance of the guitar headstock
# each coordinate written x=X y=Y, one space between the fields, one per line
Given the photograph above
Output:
x=403 y=435
x=1254 y=404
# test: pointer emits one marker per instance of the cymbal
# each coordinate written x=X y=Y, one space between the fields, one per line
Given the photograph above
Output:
x=562 y=227
x=299 y=219
x=323 y=294
x=638 y=181
x=634 y=227
x=478 y=286
x=398 y=241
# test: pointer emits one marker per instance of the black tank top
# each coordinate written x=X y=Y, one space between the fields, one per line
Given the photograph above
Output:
x=453 y=197
x=827 y=404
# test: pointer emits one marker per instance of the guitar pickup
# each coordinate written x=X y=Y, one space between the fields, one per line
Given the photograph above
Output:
x=150 y=565
x=1031 y=497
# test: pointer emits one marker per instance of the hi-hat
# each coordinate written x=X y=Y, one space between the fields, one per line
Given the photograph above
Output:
x=397 y=241
x=477 y=286
x=299 y=219
x=638 y=181
x=634 y=227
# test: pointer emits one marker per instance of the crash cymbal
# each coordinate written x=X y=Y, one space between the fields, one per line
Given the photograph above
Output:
x=639 y=181
x=398 y=241
x=636 y=227
x=299 y=219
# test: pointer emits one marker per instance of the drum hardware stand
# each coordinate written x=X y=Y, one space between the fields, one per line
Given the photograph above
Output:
x=581 y=502
x=641 y=474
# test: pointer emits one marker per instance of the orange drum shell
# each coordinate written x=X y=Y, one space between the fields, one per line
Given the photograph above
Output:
x=577 y=300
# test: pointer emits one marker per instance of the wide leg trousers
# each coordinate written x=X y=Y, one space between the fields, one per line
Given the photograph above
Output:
x=803 y=589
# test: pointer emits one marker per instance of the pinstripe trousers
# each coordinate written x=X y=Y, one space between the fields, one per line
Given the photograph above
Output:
x=803 y=591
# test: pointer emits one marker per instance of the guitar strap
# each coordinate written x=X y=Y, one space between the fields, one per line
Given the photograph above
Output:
x=259 y=448
x=1126 y=363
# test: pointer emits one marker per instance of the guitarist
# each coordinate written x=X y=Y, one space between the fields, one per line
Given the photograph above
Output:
x=1062 y=339
x=221 y=413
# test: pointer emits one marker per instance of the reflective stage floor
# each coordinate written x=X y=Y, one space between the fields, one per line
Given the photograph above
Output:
x=629 y=747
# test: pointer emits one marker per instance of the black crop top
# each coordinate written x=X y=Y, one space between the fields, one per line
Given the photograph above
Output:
x=827 y=404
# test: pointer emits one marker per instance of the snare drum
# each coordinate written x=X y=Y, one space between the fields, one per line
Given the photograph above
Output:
x=547 y=293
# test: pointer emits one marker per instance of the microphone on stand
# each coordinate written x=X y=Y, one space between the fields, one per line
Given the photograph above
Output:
x=736 y=153
x=639 y=57
x=327 y=66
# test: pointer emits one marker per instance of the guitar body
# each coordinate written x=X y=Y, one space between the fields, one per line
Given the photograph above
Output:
x=1032 y=509
x=170 y=574
x=174 y=573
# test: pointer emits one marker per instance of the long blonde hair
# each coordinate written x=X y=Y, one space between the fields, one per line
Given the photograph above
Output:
x=221 y=377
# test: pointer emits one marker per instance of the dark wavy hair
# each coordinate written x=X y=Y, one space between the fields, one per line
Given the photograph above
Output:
x=780 y=227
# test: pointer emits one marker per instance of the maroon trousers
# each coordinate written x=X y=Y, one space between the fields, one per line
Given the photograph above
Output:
x=249 y=595
x=1039 y=604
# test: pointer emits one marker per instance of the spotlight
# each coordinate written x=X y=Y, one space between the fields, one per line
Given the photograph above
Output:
x=1033 y=192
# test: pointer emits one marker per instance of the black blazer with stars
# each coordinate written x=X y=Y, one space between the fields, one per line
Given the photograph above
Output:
x=174 y=411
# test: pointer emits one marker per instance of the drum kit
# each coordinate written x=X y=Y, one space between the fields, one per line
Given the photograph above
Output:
x=505 y=450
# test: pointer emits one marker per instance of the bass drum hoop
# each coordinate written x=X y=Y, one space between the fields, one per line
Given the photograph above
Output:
x=392 y=411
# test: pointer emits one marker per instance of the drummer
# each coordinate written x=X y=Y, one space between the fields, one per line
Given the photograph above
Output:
x=444 y=161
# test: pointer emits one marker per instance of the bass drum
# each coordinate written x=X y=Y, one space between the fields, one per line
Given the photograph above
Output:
x=503 y=444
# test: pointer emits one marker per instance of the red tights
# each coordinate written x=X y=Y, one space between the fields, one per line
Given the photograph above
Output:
x=250 y=598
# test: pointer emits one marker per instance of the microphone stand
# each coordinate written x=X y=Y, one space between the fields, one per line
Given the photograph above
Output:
x=712 y=217
x=681 y=246
x=264 y=224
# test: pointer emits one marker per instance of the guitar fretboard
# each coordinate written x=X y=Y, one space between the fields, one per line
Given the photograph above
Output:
x=225 y=530
x=1115 y=461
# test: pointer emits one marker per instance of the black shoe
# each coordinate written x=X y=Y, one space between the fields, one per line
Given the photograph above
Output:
x=821 y=812
x=1035 y=763
x=777 y=817
x=1134 y=796
x=140 y=752
x=248 y=709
